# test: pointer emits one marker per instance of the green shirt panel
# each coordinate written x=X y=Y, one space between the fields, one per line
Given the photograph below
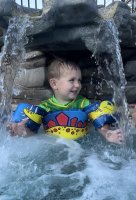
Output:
x=52 y=104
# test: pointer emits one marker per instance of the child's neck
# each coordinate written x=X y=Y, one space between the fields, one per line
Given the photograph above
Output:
x=61 y=101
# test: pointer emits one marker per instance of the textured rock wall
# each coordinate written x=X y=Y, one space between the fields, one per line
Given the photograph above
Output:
x=72 y=30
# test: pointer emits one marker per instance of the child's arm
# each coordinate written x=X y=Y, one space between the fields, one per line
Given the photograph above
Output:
x=26 y=119
x=134 y=117
x=113 y=136
x=19 y=129
x=133 y=113
x=101 y=115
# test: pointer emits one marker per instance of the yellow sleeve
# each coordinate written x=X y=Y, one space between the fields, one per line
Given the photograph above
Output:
x=105 y=108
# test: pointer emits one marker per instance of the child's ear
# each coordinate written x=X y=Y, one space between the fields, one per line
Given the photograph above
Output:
x=52 y=83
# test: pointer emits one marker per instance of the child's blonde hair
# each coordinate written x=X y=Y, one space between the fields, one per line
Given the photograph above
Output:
x=58 y=65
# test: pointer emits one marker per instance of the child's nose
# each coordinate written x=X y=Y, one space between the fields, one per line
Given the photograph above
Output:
x=77 y=84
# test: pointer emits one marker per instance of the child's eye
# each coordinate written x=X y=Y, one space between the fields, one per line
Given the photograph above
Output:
x=71 y=80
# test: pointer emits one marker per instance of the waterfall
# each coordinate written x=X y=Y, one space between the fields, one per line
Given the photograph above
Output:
x=44 y=167
x=108 y=57
x=11 y=57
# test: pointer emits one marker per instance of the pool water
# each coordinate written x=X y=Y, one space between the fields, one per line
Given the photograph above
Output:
x=47 y=168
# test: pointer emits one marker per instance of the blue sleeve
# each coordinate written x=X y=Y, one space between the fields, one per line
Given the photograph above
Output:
x=101 y=113
x=34 y=114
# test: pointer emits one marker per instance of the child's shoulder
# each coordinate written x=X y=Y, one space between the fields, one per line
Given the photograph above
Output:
x=45 y=104
x=83 y=101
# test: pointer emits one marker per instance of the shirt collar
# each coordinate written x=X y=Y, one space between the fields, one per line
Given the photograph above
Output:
x=57 y=102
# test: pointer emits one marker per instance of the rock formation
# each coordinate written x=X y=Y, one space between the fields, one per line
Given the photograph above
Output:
x=76 y=30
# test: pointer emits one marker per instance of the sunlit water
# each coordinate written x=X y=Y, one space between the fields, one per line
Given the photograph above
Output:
x=47 y=168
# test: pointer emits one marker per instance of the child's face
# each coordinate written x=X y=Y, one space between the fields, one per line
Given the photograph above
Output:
x=67 y=86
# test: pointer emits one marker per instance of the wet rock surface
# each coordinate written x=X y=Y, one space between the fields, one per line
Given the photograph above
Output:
x=74 y=30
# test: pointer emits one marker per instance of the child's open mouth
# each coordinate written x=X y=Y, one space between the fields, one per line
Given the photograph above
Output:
x=74 y=92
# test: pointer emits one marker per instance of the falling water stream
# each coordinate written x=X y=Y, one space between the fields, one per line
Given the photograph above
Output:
x=11 y=57
x=46 y=168
x=113 y=64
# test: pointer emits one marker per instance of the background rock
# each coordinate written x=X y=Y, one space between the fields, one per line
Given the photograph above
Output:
x=74 y=30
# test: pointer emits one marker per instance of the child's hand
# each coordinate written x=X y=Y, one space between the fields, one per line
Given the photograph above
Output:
x=19 y=128
x=113 y=136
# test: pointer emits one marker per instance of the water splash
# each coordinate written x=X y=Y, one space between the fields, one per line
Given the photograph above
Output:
x=117 y=82
x=11 y=57
x=42 y=167
x=108 y=56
